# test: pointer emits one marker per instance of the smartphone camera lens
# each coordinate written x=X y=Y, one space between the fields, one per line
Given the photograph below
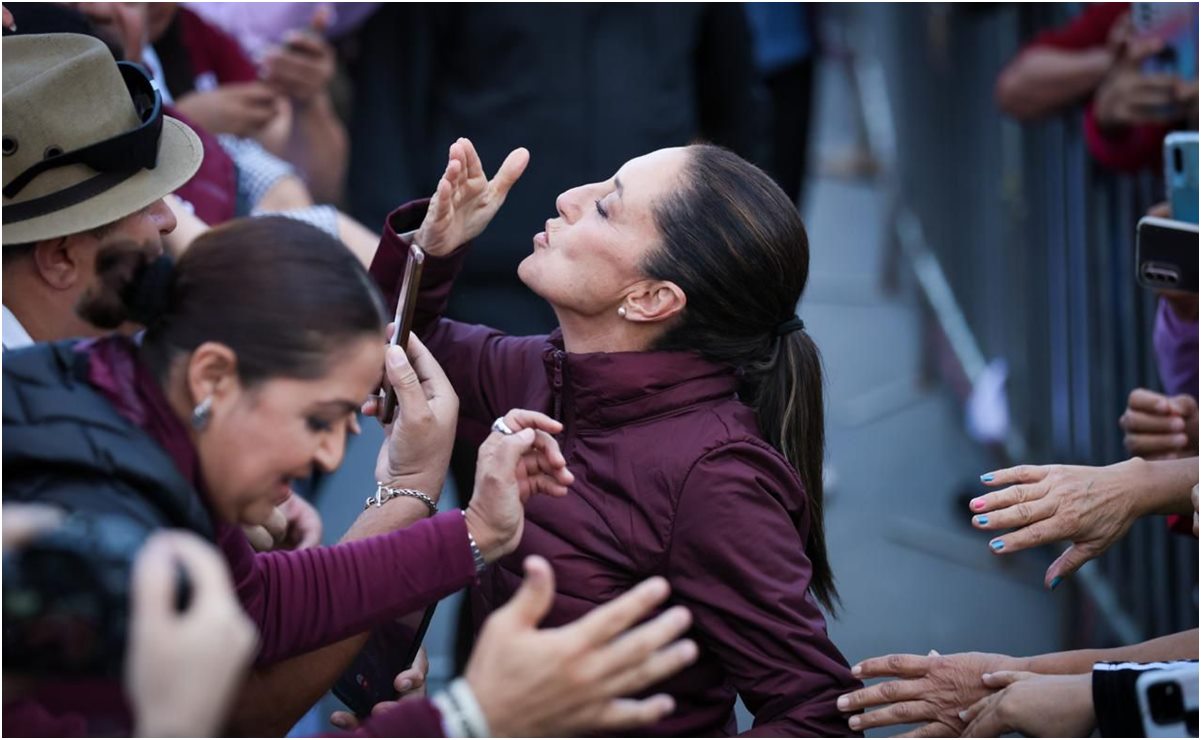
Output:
x=1178 y=160
x=1166 y=702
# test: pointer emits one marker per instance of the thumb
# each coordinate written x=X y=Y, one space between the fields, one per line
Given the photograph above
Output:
x=1001 y=679
x=400 y=372
x=508 y=451
x=510 y=170
x=533 y=600
x=1067 y=564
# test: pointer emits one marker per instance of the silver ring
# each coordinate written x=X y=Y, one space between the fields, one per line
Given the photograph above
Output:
x=500 y=426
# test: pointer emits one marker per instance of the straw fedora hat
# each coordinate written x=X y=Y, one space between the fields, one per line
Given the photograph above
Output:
x=85 y=141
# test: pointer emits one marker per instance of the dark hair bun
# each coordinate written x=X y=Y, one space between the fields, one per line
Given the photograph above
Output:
x=148 y=296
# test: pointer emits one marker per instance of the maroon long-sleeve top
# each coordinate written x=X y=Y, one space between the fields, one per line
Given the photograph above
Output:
x=672 y=478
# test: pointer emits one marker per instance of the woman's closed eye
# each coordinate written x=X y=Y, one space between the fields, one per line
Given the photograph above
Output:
x=318 y=424
x=601 y=210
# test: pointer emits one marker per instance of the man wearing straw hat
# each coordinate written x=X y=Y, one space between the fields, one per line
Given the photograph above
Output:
x=88 y=157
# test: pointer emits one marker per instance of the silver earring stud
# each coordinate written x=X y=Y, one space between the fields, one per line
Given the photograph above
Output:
x=621 y=311
x=202 y=414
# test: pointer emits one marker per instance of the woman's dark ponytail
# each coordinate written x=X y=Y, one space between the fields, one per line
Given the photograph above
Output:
x=788 y=398
x=735 y=244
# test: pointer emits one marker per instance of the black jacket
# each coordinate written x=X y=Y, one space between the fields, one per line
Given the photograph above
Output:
x=65 y=445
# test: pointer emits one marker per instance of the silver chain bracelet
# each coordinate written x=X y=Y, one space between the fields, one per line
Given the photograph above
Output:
x=384 y=494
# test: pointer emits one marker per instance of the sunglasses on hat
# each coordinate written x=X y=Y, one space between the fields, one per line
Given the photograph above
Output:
x=130 y=152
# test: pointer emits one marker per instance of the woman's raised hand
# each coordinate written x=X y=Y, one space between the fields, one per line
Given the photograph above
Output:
x=466 y=200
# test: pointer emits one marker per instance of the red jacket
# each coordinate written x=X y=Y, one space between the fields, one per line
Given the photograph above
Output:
x=672 y=478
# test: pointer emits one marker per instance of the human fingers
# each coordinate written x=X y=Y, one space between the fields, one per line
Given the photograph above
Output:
x=277 y=524
x=1070 y=561
x=153 y=580
x=1017 y=474
x=633 y=647
x=1142 y=422
x=524 y=418
x=1031 y=535
x=652 y=668
x=887 y=692
x=510 y=172
x=203 y=566
x=431 y=375
x=932 y=729
x=258 y=536
x=611 y=619
x=982 y=719
x=1184 y=404
x=471 y=158
x=1001 y=679
x=1154 y=445
x=533 y=599
x=1018 y=515
x=344 y=721
x=382 y=707
x=620 y=714
x=1007 y=497
x=899 y=665
x=411 y=400
x=900 y=713
x=1148 y=401
x=23 y=522
x=412 y=678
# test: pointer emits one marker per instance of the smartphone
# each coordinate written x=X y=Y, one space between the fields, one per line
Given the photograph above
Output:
x=1176 y=25
x=1167 y=700
x=1180 y=174
x=392 y=648
x=1166 y=254
x=405 y=304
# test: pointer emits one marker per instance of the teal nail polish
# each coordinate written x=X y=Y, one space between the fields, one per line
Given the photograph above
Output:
x=997 y=545
x=1055 y=582
x=986 y=478
x=981 y=520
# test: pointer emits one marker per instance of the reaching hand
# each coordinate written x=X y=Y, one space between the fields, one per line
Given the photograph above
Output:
x=931 y=689
x=303 y=66
x=242 y=109
x=1129 y=97
x=511 y=468
x=466 y=200
x=1158 y=426
x=1033 y=705
x=1092 y=507
x=562 y=681
x=408 y=683
x=184 y=668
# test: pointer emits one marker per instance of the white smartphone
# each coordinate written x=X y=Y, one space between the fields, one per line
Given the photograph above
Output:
x=1167 y=700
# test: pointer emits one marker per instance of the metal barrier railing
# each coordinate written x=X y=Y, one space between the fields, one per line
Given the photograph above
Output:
x=1023 y=250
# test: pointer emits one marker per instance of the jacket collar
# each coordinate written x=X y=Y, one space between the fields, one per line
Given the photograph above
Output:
x=608 y=389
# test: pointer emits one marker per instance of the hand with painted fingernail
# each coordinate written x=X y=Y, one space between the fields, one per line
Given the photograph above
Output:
x=1091 y=507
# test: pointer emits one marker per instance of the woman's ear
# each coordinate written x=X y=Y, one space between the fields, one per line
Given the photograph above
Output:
x=212 y=372
x=654 y=302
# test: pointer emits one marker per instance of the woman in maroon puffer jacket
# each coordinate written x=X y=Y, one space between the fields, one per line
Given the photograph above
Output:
x=691 y=399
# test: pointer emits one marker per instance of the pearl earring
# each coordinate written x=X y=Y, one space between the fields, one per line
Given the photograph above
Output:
x=621 y=311
x=202 y=414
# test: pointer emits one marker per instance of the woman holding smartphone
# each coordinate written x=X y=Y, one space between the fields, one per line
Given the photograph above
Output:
x=691 y=402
